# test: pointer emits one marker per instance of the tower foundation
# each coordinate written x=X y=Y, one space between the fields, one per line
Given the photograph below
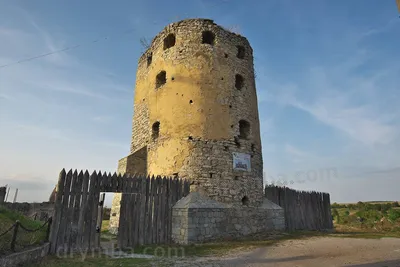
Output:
x=197 y=218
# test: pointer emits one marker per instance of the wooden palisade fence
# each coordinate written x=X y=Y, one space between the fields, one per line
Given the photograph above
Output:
x=303 y=210
x=145 y=216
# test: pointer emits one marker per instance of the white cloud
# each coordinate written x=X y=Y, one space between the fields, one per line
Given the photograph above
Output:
x=334 y=97
x=362 y=123
x=356 y=96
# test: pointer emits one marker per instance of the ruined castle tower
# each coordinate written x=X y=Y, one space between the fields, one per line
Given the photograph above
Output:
x=196 y=113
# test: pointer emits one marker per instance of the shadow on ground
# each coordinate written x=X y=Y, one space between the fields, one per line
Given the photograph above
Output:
x=254 y=260
x=393 y=263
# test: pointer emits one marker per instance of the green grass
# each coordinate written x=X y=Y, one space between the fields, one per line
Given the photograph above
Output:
x=24 y=239
x=77 y=261
x=104 y=226
x=348 y=225
x=105 y=234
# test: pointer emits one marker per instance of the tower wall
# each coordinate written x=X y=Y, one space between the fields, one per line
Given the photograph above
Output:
x=199 y=109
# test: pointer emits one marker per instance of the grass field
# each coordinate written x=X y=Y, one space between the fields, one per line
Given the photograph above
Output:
x=91 y=262
x=372 y=218
x=24 y=239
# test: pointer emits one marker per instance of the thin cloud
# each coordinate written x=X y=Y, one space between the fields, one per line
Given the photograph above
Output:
x=338 y=105
x=378 y=30
x=102 y=119
x=59 y=73
x=5 y=97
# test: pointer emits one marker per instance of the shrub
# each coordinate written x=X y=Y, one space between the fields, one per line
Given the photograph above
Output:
x=369 y=214
x=335 y=213
x=386 y=207
x=393 y=215
x=369 y=206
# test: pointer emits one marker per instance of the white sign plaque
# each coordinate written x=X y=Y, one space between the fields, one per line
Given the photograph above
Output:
x=241 y=162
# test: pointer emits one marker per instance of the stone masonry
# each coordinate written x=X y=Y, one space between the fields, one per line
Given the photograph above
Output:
x=195 y=109
x=196 y=218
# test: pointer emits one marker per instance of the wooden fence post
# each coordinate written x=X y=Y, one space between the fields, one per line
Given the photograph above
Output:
x=57 y=211
x=14 y=236
x=48 y=229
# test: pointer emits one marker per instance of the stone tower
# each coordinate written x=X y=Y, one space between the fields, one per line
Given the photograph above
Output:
x=196 y=113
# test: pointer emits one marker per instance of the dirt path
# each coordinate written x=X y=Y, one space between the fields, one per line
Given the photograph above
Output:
x=317 y=251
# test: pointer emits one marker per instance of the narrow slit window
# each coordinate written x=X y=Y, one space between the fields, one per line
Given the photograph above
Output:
x=239 y=81
x=161 y=79
x=155 y=130
x=169 y=41
x=149 y=59
x=244 y=129
x=245 y=201
x=240 y=52
x=208 y=37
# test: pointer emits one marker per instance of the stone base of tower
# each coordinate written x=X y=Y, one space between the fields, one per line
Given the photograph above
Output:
x=197 y=218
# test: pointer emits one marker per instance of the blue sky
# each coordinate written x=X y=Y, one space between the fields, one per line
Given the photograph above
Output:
x=327 y=83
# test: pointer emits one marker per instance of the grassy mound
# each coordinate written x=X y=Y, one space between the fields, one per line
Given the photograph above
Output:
x=24 y=238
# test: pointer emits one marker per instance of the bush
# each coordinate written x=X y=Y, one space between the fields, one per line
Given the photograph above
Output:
x=335 y=213
x=347 y=213
x=338 y=206
x=369 y=214
x=369 y=206
x=386 y=207
x=352 y=206
x=395 y=204
x=393 y=215
x=335 y=205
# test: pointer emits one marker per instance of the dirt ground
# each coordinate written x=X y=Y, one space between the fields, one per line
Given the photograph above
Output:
x=316 y=251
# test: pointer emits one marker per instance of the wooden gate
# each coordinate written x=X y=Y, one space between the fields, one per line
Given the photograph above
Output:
x=146 y=213
x=76 y=223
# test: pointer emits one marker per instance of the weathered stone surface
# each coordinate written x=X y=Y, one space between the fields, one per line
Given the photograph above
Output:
x=202 y=223
x=196 y=201
x=25 y=257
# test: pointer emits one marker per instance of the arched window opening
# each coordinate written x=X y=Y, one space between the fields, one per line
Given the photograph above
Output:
x=245 y=201
x=161 y=79
x=240 y=52
x=155 y=130
x=244 y=129
x=149 y=59
x=208 y=37
x=169 y=41
x=239 y=81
